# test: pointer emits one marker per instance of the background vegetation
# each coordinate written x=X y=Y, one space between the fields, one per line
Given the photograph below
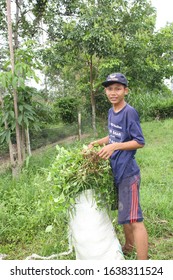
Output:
x=68 y=48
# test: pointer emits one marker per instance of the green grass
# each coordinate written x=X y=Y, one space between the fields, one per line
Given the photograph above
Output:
x=156 y=164
x=26 y=207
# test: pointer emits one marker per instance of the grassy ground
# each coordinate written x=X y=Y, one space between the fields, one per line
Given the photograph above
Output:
x=26 y=208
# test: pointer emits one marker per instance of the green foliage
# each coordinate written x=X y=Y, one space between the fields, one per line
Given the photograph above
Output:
x=146 y=101
x=7 y=116
x=102 y=105
x=67 y=109
x=27 y=113
x=24 y=68
x=113 y=42
x=27 y=116
x=75 y=171
x=29 y=213
x=26 y=209
x=15 y=82
x=162 y=109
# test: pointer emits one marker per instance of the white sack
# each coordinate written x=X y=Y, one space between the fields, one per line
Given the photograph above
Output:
x=93 y=235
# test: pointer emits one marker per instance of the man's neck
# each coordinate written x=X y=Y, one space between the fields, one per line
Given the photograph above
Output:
x=119 y=107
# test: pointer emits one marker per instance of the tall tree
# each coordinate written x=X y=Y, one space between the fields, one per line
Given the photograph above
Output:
x=82 y=34
x=13 y=78
x=18 y=136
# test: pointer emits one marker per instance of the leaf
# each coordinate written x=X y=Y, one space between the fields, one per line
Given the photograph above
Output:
x=37 y=127
x=5 y=117
x=12 y=114
x=21 y=108
x=4 y=81
x=15 y=82
x=8 y=134
x=20 y=118
x=26 y=121
x=49 y=228
x=21 y=82
x=28 y=107
x=13 y=125
x=60 y=199
x=30 y=117
x=2 y=137
x=7 y=64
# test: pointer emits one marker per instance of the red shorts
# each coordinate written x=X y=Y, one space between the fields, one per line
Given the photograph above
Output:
x=129 y=209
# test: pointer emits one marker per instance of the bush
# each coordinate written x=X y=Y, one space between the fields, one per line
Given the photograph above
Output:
x=67 y=109
x=147 y=103
x=162 y=109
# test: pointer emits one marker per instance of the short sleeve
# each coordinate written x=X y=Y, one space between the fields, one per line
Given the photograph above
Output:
x=135 y=130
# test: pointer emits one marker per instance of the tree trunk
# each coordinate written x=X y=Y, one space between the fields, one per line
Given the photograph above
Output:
x=18 y=138
x=79 y=126
x=28 y=144
x=92 y=98
x=23 y=143
x=16 y=41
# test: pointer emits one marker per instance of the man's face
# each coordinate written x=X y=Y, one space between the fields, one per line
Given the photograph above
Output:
x=116 y=93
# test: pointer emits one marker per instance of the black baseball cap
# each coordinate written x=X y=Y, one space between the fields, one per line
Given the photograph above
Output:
x=115 y=78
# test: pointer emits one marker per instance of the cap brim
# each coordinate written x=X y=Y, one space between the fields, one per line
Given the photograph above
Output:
x=108 y=83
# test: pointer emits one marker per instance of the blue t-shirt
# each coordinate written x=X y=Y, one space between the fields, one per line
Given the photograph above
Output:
x=124 y=126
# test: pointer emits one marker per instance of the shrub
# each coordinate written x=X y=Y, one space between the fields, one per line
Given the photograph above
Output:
x=66 y=108
x=147 y=103
x=162 y=109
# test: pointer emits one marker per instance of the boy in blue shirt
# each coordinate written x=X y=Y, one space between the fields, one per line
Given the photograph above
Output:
x=125 y=137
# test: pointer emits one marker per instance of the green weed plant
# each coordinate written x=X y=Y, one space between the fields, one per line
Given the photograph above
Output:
x=78 y=169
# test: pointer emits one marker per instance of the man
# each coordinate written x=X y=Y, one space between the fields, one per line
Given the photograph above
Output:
x=125 y=137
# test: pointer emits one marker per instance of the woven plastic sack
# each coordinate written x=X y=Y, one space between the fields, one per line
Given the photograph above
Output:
x=93 y=235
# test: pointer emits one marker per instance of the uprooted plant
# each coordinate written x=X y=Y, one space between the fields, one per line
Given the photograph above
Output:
x=75 y=170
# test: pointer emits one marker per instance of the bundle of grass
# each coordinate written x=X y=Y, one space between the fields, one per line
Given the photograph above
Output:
x=83 y=185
